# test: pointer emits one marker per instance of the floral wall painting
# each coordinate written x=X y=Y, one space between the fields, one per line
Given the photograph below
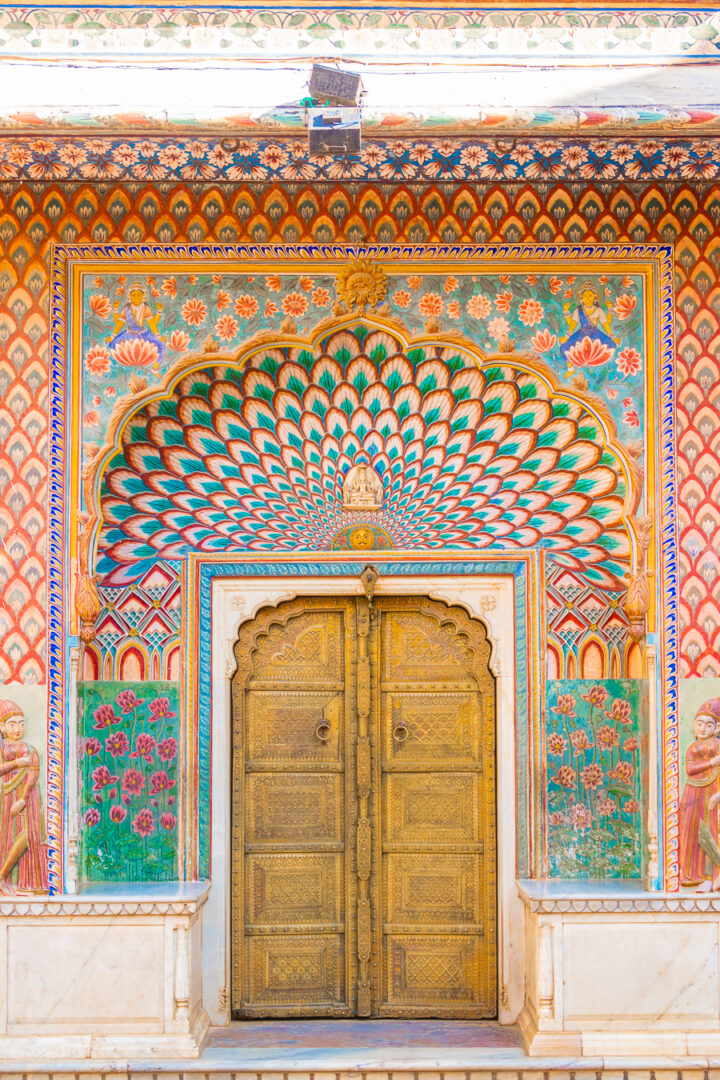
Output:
x=595 y=755
x=23 y=838
x=699 y=710
x=129 y=769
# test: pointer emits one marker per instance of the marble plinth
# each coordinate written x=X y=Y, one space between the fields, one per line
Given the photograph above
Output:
x=613 y=970
x=102 y=975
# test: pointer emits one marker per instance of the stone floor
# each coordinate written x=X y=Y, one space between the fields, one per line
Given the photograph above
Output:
x=365 y=1034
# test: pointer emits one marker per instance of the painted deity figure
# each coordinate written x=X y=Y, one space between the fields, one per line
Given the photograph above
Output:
x=702 y=783
x=23 y=852
x=137 y=322
x=588 y=320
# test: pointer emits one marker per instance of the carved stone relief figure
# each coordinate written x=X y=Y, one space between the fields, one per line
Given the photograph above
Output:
x=23 y=851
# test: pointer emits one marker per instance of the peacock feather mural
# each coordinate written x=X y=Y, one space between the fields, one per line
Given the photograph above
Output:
x=473 y=452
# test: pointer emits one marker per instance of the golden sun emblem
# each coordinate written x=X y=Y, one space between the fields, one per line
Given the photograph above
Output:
x=360 y=284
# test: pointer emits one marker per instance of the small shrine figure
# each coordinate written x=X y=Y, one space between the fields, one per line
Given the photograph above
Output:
x=590 y=322
x=136 y=321
x=362 y=488
x=702 y=782
x=23 y=851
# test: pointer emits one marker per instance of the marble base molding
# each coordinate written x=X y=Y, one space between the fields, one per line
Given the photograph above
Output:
x=613 y=971
x=106 y=976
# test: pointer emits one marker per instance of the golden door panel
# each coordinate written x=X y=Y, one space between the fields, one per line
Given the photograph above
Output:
x=363 y=865
x=283 y=727
x=431 y=727
x=432 y=889
x=445 y=807
x=436 y=975
x=308 y=970
x=304 y=888
x=293 y=808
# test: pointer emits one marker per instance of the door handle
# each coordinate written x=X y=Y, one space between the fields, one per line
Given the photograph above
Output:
x=323 y=731
x=400 y=731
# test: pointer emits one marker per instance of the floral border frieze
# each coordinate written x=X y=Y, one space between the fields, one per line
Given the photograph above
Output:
x=66 y=157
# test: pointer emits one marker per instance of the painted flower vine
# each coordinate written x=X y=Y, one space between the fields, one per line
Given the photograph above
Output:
x=129 y=744
x=593 y=758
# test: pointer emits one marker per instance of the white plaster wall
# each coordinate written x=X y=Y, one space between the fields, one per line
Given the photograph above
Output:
x=489 y=598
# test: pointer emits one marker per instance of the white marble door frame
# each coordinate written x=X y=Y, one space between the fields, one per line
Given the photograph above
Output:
x=487 y=597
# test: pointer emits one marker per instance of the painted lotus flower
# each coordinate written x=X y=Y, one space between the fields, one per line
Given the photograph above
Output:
x=133 y=782
x=102 y=778
x=624 y=306
x=127 y=700
x=118 y=814
x=159 y=709
x=565 y=777
x=556 y=744
x=194 y=312
x=92 y=816
x=431 y=304
x=628 y=361
x=144 y=747
x=135 y=352
x=92 y=747
x=97 y=360
x=606 y=807
x=117 y=744
x=620 y=711
x=100 y=305
x=478 y=306
x=530 y=312
x=294 y=304
x=543 y=341
x=105 y=716
x=167 y=820
x=160 y=781
x=144 y=822
x=589 y=353
x=596 y=696
x=246 y=306
x=592 y=776
x=565 y=705
x=607 y=737
x=167 y=749
x=623 y=771
x=580 y=817
x=226 y=328
x=579 y=739
x=179 y=340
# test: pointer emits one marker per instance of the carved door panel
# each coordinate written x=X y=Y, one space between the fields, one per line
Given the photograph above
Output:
x=363 y=863
x=436 y=937
x=294 y=736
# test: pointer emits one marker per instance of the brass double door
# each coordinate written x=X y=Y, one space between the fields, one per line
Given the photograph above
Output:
x=363 y=838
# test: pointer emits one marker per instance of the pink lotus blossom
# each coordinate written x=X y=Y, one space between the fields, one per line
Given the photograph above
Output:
x=565 y=705
x=607 y=737
x=592 y=776
x=565 y=777
x=167 y=749
x=630 y=745
x=144 y=822
x=102 y=778
x=623 y=771
x=159 y=710
x=631 y=806
x=167 y=821
x=556 y=744
x=104 y=717
x=136 y=352
x=596 y=696
x=580 y=817
x=117 y=744
x=144 y=746
x=160 y=781
x=580 y=740
x=589 y=353
x=127 y=701
x=605 y=807
x=118 y=814
x=620 y=711
x=92 y=816
x=92 y=747
x=556 y=818
x=133 y=782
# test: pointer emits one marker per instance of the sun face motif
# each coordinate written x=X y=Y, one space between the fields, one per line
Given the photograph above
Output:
x=361 y=284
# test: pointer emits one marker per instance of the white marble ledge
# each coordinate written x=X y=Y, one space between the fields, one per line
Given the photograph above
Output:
x=156 y=898
x=591 y=897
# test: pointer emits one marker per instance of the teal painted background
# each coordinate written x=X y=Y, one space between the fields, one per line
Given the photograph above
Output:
x=129 y=771
x=595 y=760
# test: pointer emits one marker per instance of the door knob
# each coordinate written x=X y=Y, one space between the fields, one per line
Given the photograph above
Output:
x=400 y=731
